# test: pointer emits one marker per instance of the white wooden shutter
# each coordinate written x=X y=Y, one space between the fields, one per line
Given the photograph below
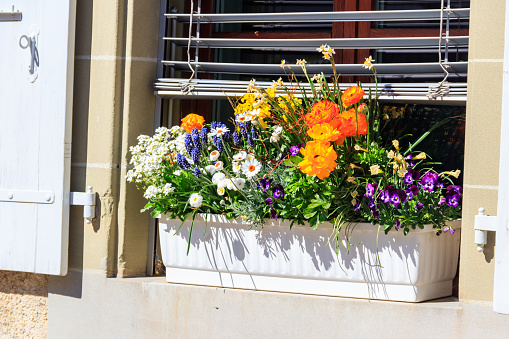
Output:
x=35 y=134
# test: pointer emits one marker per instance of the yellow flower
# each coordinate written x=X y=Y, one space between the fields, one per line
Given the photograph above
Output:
x=396 y=144
x=390 y=155
x=455 y=174
x=302 y=63
x=316 y=77
x=359 y=148
x=251 y=86
x=354 y=166
x=402 y=171
x=351 y=179
x=375 y=169
x=420 y=156
x=324 y=132
x=354 y=201
x=327 y=51
x=354 y=194
x=283 y=63
x=368 y=63
x=398 y=158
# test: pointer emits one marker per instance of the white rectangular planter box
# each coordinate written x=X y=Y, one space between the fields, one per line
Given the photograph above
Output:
x=417 y=267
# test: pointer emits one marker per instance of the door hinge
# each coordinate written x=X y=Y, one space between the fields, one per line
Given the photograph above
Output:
x=85 y=199
x=483 y=224
x=11 y=16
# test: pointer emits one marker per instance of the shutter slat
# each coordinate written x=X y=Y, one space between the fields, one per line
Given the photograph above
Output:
x=431 y=14
x=351 y=69
x=220 y=89
x=312 y=44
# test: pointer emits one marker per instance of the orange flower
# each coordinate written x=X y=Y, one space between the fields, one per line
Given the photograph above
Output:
x=319 y=159
x=352 y=95
x=323 y=112
x=192 y=121
x=353 y=121
x=324 y=132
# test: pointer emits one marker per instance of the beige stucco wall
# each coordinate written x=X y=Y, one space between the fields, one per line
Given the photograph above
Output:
x=482 y=143
x=23 y=305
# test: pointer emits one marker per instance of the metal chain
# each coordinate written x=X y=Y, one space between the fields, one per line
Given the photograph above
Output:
x=441 y=89
x=187 y=87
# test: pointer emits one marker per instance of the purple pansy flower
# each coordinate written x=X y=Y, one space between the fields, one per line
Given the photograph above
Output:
x=419 y=206
x=398 y=224
x=269 y=201
x=412 y=191
x=273 y=213
x=410 y=176
x=370 y=190
x=441 y=201
x=451 y=189
x=429 y=181
x=278 y=191
x=385 y=195
x=453 y=200
x=397 y=197
x=264 y=184
x=294 y=150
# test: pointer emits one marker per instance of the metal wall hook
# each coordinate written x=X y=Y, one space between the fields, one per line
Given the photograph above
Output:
x=31 y=41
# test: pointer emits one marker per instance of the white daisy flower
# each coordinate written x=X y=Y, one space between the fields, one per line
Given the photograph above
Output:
x=216 y=178
x=250 y=156
x=240 y=156
x=218 y=165
x=211 y=169
x=236 y=166
x=244 y=117
x=195 y=200
x=220 y=190
x=214 y=155
x=251 y=167
x=219 y=131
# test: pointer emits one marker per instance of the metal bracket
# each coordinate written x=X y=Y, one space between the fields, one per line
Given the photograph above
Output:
x=34 y=197
x=11 y=16
x=87 y=200
x=483 y=224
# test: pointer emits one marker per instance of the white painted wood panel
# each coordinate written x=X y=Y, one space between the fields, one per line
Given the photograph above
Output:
x=501 y=286
x=35 y=134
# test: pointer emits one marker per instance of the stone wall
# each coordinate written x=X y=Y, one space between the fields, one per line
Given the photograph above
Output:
x=23 y=305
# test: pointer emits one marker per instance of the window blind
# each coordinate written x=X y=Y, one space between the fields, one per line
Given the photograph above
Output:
x=417 y=79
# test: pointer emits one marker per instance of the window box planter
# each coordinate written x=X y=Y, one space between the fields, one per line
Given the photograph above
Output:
x=417 y=267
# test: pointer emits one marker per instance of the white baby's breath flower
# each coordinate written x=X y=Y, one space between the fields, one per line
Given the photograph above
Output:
x=151 y=192
x=211 y=169
x=216 y=178
x=214 y=155
x=251 y=167
x=195 y=200
x=218 y=165
x=167 y=189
